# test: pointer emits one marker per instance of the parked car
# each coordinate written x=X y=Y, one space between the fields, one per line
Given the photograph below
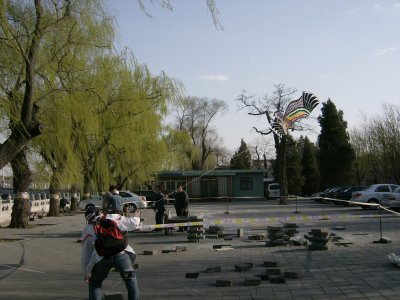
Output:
x=372 y=194
x=150 y=195
x=392 y=200
x=345 y=193
x=6 y=198
x=273 y=190
x=139 y=202
x=320 y=195
x=332 y=194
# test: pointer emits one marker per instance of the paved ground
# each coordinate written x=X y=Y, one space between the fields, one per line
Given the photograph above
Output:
x=43 y=262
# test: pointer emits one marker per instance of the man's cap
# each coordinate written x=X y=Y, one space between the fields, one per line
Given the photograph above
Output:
x=91 y=213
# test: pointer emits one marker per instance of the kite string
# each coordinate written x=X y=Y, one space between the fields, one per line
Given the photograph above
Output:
x=197 y=178
x=209 y=171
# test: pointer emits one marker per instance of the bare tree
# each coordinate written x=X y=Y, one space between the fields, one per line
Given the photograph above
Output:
x=265 y=107
x=194 y=117
x=377 y=146
x=261 y=151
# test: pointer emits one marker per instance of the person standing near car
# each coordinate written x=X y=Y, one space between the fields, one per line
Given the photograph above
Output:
x=159 y=207
x=111 y=200
x=95 y=267
x=181 y=203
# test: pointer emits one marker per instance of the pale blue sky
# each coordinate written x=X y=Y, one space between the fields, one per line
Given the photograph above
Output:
x=346 y=50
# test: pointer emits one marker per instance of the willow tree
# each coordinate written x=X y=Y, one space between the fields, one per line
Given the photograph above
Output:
x=55 y=147
x=38 y=38
x=136 y=147
x=118 y=139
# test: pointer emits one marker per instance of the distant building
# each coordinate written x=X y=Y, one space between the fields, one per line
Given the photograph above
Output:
x=216 y=183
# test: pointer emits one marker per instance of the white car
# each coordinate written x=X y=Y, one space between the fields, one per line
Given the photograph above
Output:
x=135 y=201
x=273 y=190
x=392 y=200
x=372 y=194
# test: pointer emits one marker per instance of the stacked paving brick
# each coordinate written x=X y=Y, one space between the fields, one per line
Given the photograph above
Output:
x=276 y=236
x=290 y=229
x=215 y=231
x=318 y=238
x=273 y=273
x=195 y=233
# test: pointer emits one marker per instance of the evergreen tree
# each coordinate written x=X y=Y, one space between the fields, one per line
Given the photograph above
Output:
x=310 y=169
x=336 y=155
x=293 y=166
x=242 y=157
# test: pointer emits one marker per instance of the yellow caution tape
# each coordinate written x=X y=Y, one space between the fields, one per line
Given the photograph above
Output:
x=266 y=220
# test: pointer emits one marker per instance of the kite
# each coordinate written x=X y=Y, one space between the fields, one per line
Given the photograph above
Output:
x=295 y=110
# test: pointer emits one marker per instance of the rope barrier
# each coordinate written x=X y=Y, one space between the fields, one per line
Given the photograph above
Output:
x=276 y=219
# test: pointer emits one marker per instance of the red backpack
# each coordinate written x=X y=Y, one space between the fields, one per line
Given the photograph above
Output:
x=110 y=240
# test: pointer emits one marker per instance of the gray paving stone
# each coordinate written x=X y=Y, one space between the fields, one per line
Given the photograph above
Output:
x=357 y=272
x=223 y=283
x=113 y=296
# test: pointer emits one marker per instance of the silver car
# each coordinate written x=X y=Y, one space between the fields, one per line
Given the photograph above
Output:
x=134 y=201
x=392 y=200
x=372 y=194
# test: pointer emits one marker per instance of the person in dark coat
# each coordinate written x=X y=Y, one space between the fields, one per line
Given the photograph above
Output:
x=181 y=203
x=159 y=207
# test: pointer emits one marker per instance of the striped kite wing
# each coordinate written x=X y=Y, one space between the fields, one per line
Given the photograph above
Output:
x=300 y=108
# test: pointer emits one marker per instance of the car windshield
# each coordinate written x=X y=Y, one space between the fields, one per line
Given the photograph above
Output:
x=382 y=188
x=125 y=194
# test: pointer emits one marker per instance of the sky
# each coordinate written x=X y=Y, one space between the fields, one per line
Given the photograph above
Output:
x=344 y=50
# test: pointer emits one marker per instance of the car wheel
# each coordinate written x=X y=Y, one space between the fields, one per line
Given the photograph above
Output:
x=372 y=201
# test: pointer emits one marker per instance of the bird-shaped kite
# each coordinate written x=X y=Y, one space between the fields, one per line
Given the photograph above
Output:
x=295 y=110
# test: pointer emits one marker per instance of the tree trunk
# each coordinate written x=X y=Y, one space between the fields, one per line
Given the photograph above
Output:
x=54 y=210
x=74 y=197
x=74 y=201
x=55 y=189
x=20 y=211
x=87 y=186
x=21 y=182
x=14 y=144
x=282 y=176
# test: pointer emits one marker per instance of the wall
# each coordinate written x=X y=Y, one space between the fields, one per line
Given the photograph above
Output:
x=38 y=208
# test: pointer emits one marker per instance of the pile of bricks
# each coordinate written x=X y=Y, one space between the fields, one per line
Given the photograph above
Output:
x=319 y=239
x=272 y=272
x=276 y=236
x=195 y=233
x=215 y=231
x=290 y=229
